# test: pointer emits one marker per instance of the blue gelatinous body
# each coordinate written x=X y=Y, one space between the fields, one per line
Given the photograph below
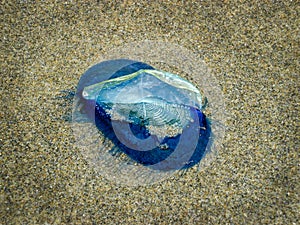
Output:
x=152 y=116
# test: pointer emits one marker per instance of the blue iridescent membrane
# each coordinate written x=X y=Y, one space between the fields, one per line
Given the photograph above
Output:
x=144 y=112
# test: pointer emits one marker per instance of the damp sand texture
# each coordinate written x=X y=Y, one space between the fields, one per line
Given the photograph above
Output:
x=253 y=51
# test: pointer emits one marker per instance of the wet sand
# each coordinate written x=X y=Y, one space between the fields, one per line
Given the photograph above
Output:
x=251 y=48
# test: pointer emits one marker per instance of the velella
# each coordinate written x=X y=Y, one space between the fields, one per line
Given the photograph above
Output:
x=135 y=114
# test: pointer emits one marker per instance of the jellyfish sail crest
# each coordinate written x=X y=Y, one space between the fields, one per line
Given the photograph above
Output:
x=150 y=82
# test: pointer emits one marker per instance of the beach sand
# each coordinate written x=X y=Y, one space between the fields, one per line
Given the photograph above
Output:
x=252 y=48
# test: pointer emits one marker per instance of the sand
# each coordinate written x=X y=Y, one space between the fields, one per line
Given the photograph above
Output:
x=251 y=48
